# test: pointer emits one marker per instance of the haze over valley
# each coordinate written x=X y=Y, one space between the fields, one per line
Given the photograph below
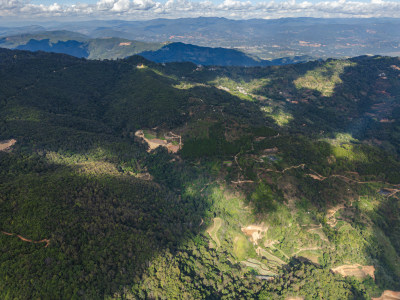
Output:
x=260 y=39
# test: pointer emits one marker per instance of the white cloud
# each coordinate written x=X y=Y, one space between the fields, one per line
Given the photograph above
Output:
x=235 y=5
x=146 y=9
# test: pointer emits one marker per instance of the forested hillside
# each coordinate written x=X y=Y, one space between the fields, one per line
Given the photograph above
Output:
x=268 y=182
x=180 y=52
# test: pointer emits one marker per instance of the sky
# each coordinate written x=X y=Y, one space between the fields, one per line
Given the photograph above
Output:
x=42 y=10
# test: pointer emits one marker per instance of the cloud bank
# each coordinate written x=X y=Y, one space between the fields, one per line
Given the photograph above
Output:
x=148 y=9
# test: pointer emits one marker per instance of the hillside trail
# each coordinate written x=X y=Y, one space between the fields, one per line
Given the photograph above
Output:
x=287 y=169
x=317 y=229
x=307 y=249
x=330 y=214
x=283 y=253
x=47 y=241
x=267 y=170
x=332 y=221
x=319 y=177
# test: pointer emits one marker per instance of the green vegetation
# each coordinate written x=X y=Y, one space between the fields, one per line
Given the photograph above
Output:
x=323 y=79
x=248 y=195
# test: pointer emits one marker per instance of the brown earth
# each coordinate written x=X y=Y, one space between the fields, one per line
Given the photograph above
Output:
x=389 y=295
x=172 y=148
x=47 y=241
x=316 y=177
x=394 y=67
x=155 y=143
x=319 y=177
x=6 y=145
x=256 y=232
x=356 y=270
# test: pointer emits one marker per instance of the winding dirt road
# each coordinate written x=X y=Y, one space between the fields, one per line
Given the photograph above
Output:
x=47 y=241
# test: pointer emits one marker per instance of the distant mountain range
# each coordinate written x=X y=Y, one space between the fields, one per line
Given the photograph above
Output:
x=258 y=39
x=81 y=46
x=267 y=39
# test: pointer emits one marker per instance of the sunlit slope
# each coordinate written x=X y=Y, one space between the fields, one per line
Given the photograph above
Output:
x=280 y=188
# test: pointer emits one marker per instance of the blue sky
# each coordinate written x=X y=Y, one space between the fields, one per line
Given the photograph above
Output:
x=42 y=10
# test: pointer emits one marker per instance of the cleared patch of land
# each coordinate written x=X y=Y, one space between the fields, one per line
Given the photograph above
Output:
x=6 y=145
x=155 y=143
x=95 y=167
x=241 y=246
x=312 y=255
x=388 y=295
x=356 y=270
x=255 y=232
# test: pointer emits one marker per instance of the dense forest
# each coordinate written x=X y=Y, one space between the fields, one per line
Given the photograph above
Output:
x=285 y=181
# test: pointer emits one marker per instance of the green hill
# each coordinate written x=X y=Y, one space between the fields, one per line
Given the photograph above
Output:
x=180 y=52
x=283 y=173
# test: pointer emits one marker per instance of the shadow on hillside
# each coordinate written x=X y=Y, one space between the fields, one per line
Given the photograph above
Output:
x=105 y=226
x=104 y=229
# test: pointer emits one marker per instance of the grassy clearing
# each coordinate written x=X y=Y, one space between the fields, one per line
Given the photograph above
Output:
x=259 y=267
x=213 y=230
x=358 y=271
x=148 y=135
x=241 y=89
x=349 y=152
x=85 y=164
x=280 y=117
x=312 y=255
x=241 y=247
